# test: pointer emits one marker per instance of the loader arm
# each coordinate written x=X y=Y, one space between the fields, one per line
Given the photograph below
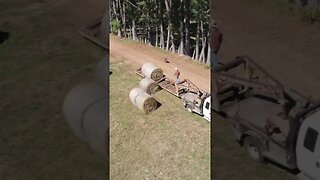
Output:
x=254 y=77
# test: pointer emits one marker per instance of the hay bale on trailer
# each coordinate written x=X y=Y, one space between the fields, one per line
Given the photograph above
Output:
x=149 y=86
x=151 y=71
x=142 y=100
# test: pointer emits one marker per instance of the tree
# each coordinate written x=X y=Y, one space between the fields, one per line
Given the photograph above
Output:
x=165 y=24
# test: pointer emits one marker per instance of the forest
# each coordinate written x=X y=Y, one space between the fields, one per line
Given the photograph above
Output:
x=178 y=26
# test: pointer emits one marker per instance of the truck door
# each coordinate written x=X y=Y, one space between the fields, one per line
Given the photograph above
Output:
x=207 y=109
x=308 y=147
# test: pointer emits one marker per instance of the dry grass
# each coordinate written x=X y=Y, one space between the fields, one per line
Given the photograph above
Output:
x=41 y=61
x=169 y=143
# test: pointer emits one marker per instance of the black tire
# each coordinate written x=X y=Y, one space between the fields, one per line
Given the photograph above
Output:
x=253 y=149
x=189 y=108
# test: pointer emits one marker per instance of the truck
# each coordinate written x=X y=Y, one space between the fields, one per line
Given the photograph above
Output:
x=272 y=122
x=193 y=98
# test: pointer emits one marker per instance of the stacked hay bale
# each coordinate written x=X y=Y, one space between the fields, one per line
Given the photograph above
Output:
x=141 y=97
x=149 y=86
x=85 y=109
x=142 y=100
x=151 y=71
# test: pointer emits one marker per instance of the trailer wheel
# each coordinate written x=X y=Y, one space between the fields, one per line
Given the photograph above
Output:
x=189 y=108
x=253 y=149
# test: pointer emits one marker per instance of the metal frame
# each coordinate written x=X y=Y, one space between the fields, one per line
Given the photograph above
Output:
x=268 y=84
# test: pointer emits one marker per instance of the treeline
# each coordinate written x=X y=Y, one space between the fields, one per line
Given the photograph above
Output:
x=180 y=26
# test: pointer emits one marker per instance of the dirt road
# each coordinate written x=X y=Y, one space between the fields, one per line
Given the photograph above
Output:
x=138 y=53
x=282 y=43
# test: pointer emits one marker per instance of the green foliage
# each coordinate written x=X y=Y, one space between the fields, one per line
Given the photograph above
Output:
x=148 y=15
x=115 y=24
x=307 y=14
x=311 y=16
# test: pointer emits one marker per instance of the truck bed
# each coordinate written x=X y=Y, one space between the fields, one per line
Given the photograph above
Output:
x=255 y=112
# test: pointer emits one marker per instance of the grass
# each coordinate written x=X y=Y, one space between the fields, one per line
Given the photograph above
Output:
x=169 y=143
x=41 y=61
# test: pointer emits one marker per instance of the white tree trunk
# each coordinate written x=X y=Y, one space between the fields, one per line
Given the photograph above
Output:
x=161 y=37
x=193 y=54
x=157 y=37
x=168 y=39
x=134 y=36
x=209 y=52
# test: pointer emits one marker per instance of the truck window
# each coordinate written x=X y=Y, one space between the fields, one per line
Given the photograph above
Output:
x=207 y=105
x=310 y=139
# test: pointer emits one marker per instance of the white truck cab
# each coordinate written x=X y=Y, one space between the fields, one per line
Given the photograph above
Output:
x=207 y=109
x=201 y=106
x=308 y=147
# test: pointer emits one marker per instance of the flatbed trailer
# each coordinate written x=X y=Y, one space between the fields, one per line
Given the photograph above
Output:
x=194 y=99
x=176 y=89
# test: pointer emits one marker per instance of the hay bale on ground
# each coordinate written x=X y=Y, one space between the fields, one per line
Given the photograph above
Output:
x=76 y=103
x=142 y=100
x=149 y=86
x=151 y=71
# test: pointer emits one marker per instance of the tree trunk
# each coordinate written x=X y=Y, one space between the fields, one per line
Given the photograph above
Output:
x=134 y=36
x=187 y=26
x=124 y=19
x=161 y=24
x=168 y=4
x=157 y=37
x=119 y=17
x=197 y=42
x=181 y=47
x=193 y=54
x=202 y=56
x=209 y=49
x=168 y=38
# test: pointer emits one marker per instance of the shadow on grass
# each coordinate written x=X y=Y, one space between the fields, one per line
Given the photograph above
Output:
x=158 y=105
x=292 y=171
x=4 y=36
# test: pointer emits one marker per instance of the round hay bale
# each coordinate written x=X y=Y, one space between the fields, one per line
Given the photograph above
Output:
x=95 y=126
x=151 y=71
x=133 y=93
x=77 y=102
x=142 y=100
x=102 y=73
x=149 y=86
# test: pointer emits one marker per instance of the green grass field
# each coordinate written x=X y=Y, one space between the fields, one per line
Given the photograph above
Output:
x=41 y=61
x=169 y=143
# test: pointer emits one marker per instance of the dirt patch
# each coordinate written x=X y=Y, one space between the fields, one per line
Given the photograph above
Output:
x=137 y=54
